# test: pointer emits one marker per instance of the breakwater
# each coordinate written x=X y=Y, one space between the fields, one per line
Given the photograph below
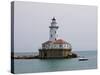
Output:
x=36 y=56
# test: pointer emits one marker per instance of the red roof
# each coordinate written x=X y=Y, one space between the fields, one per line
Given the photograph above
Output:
x=59 y=41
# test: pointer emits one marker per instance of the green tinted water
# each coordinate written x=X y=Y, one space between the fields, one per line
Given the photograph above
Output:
x=48 y=65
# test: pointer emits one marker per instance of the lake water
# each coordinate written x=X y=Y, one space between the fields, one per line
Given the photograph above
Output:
x=50 y=65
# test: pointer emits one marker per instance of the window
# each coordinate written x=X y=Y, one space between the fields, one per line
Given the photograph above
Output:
x=51 y=35
x=60 y=45
x=55 y=31
x=43 y=45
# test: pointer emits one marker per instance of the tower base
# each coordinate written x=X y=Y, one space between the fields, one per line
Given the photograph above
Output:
x=56 y=53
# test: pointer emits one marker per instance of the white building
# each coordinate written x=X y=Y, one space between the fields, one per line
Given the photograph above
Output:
x=53 y=42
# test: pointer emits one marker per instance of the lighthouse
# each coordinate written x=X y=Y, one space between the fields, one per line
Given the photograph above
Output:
x=54 y=47
x=53 y=30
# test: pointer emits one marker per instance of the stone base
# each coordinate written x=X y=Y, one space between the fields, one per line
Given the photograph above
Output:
x=56 y=53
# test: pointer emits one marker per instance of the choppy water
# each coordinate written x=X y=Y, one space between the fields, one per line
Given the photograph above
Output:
x=49 y=65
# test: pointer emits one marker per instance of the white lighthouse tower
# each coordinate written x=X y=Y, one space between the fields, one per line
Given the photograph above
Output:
x=53 y=30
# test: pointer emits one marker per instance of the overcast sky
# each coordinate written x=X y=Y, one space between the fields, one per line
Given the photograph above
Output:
x=77 y=25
